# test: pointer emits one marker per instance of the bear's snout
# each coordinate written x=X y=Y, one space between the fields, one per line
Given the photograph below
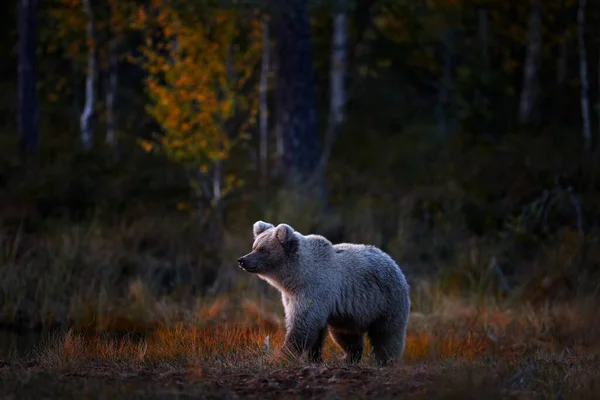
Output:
x=246 y=264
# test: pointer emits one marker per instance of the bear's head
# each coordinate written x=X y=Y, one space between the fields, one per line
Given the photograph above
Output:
x=272 y=249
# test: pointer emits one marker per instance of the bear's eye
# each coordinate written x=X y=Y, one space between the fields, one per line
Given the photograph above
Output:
x=262 y=251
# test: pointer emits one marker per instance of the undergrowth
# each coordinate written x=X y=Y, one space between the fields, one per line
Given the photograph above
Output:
x=94 y=243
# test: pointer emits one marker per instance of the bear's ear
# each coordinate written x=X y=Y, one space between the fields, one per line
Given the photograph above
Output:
x=260 y=226
x=285 y=235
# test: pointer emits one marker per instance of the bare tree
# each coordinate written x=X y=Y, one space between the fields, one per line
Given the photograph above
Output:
x=112 y=81
x=585 y=103
x=28 y=102
x=264 y=111
x=87 y=116
x=532 y=60
x=337 y=77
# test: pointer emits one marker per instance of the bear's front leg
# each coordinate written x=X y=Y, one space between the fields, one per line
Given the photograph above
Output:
x=315 y=353
x=304 y=340
x=305 y=332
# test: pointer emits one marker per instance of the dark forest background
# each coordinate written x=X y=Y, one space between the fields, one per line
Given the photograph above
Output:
x=139 y=141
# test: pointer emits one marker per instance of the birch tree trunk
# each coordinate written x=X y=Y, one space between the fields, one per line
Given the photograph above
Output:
x=264 y=111
x=217 y=172
x=531 y=69
x=112 y=82
x=87 y=116
x=28 y=103
x=214 y=223
x=583 y=75
x=339 y=55
x=337 y=77
x=217 y=177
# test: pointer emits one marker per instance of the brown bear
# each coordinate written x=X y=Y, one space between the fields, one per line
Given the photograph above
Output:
x=349 y=289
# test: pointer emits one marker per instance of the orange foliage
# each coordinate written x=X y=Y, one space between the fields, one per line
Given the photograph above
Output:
x=197 y=75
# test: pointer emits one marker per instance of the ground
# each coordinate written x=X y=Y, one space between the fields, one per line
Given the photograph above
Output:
x=167 y=381
x=460 y=350
x=443 y=380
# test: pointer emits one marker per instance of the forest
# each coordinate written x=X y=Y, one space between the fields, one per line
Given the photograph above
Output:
x=141 y=139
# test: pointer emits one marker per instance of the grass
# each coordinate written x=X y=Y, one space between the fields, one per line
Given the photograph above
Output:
x=460 y=350
x=138 y=323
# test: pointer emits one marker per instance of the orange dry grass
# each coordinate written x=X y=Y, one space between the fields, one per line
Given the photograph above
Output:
x=185 y=342
x=178 y=343
x=467 y=332
x=429 y=346
x=457 y=331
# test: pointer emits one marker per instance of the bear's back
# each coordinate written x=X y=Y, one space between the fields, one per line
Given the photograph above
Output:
x=318 y=248
x=371 y=285
x=367 y=264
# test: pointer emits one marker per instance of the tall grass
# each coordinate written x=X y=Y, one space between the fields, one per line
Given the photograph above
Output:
x=459 y=348
x=457 y=330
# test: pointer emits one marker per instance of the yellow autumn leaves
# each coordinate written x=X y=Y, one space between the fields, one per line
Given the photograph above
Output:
x=200 y=75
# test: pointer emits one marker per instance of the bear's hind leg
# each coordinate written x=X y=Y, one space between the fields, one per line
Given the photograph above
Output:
x=351 y=344
x=387 y=341
x=315 y=352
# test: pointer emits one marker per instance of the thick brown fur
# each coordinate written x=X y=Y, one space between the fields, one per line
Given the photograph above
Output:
x=348 y=289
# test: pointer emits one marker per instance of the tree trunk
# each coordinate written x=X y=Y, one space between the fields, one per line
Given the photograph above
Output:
x=484 y=43
x=338 y=67
x=559 y=103
x=445 y=87
x=264 y=110
x=297 y=94
x=87 y=116
x=337 y=77
x=583 y=74
x=215 y=227
x=531 y=69
x=482 y=99
x=277 y=127
x=216 y=184
x=112 y=81
x=28 y=113
x=561 y=62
